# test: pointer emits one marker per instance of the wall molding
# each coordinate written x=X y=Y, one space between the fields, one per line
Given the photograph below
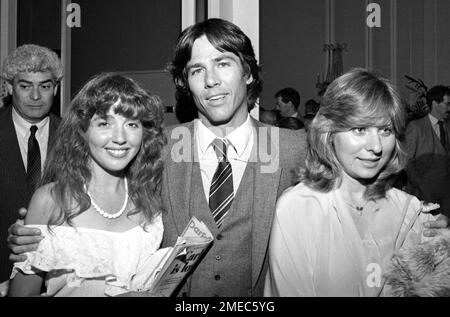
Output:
x=214 y=9
x=188 y=13
x=8 y=35
x=8 y=27
x=66 y=58
x=430 y=9
x=368 y=45
x=329 y=28
x=244 y=14
x=393 y=39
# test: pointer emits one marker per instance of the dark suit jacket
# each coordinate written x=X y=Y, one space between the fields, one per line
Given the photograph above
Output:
x=14 y=192
x=428 y=168
x=177 y=193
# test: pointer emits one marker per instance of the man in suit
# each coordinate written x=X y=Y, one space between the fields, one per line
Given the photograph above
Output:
x=214 y=64
x=428 y=148
x=32 y=74
x=311 y=108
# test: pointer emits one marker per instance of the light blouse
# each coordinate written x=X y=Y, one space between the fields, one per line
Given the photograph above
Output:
x=92 y=262
x=322 y=246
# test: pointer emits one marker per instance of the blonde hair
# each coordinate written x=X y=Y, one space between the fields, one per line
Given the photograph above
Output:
x=356 y=99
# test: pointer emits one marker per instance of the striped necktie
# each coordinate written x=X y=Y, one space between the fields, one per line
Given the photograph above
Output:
x=33 y=161
x=221 y=193
x=442 y=133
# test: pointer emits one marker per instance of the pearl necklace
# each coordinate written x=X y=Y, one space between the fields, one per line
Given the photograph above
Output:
x=106 y=214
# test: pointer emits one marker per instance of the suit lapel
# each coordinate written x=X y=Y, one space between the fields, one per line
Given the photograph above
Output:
x=447 y=133
x=436 y=142
x=53 y=125
x=11 y=157
x=264 y=201
x=179 y=176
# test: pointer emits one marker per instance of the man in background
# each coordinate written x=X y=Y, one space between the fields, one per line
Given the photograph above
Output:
x=311 y=108
x=428 y=149
x=32 y=74
x=269 y=117
x=287 y=102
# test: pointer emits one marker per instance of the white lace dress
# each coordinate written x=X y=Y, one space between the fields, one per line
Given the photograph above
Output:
x=92 y=262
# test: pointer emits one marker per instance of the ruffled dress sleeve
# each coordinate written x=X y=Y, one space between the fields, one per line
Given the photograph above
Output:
x=91 y=262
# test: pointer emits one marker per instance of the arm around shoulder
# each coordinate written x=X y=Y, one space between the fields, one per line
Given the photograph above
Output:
x=41 y=207
x=39 y=212
x=23 y=239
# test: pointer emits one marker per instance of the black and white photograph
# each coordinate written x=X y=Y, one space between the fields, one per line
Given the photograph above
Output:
x=229 y=154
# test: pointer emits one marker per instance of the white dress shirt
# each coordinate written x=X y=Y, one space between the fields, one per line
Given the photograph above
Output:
x=434 y=123
x=22 y=128
x=241 y=140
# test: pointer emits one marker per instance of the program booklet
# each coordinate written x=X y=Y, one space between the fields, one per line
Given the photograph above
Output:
x=182 y=257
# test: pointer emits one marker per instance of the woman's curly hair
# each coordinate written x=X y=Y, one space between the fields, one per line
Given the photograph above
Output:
x=68 y=163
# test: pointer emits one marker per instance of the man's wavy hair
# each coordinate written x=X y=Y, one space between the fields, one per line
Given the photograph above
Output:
x=358 y=98
x=225 y=37
x=32 y=58
x=437 y=94
x=68 y=164
x=289 y=94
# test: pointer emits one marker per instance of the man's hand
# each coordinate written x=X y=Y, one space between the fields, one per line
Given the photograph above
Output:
x=22 y=239
x=432 y=228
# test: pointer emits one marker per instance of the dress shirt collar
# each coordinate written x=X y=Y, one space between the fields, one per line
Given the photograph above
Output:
x=24 y=126
x=433 y=119
x=238 y=138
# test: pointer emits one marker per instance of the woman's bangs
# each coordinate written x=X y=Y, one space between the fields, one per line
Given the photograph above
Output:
x=376 y=111
x=130 y=108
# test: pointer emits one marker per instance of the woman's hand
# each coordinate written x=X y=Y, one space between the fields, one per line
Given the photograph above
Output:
x=432 y=228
